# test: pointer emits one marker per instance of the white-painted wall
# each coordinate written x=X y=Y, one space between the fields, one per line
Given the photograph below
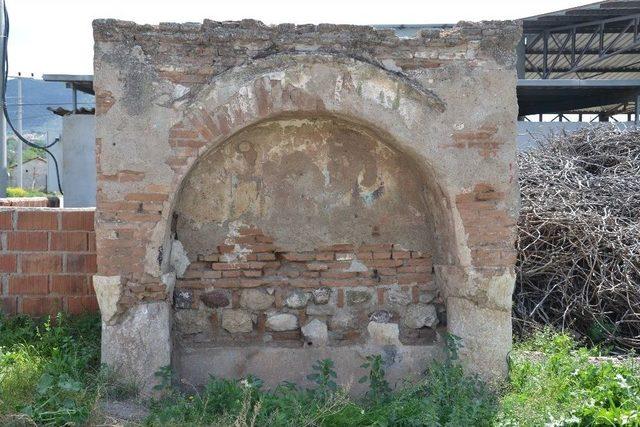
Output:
x=78 y=160
x=56 y=150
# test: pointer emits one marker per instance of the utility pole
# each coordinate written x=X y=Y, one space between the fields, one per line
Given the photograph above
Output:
x=19 y=156
x=3 y=124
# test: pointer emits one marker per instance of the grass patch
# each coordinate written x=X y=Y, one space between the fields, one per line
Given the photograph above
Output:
x=49 y=370
x=562 y=384
x=50 y=375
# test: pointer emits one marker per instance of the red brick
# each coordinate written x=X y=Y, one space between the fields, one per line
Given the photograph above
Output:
x=297 y=256
x=412 y=278
x=225 y=249
x=74 y=241
x=231 y=273
x=91 y=242
x=305 y=283
x=249 y=265
x=338 y=274
x=260 y=247
x=383 y=263
x=41 y=306
x=339 y=247
x=324 y=256
x=6 y=220
x=245 y=239
x=401 y=255
x=77 y=220
x=69 y=284
x=376 y=247
x=7 y=263
x=40 y=263
x=146 y=197
x=81 y=263
x=82 y=304
x=27 y=240
x=340 y=302
x=37 y=220
x=260 y=238
x=249 y=231
x=338 y=282
x=252 y=273
x=418 y=261
x=364 y=255
x=8 y=305
x=381 y=255
x=28 y=285
x=317 y=266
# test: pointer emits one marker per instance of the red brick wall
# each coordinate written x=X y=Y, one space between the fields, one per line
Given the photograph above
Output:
x=47 y=261
x=30 y=202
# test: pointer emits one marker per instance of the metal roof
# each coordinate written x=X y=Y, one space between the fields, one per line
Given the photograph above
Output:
x=595 y=41
x=83 y=83
x=574 y=96
x=603 y=10
x=598 y=42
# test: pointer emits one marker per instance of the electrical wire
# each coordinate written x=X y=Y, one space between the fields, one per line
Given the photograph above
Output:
x=3 y=96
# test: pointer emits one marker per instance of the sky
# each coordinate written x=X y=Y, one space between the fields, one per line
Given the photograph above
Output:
x=55 y=36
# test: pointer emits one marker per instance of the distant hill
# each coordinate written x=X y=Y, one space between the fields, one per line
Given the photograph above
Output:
x=37 y=95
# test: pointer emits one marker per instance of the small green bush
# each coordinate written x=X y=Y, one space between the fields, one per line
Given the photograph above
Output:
x=560 y=385
x=22 y=192
x=445 y=396
x=48 y=369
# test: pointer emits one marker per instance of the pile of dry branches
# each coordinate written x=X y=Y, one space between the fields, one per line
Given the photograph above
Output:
x=579 y=236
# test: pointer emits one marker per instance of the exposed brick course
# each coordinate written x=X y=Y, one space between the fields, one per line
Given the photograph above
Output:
x=47 y=261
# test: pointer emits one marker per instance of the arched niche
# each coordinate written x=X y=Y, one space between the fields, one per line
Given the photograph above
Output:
x=308 y=181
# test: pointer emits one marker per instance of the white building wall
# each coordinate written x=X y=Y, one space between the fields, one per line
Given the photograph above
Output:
x=56 y=150
x=78 y=160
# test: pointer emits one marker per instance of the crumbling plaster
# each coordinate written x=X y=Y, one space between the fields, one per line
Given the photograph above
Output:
x=455 y=119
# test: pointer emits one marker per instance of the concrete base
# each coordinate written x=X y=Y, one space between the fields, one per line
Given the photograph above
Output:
x=274 y=365
x=485 y=336
x=139 y=345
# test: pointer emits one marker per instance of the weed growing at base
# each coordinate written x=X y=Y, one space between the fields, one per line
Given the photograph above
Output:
x=561 y=384
x=443 y=396
x=48 y=370
x=50 y=375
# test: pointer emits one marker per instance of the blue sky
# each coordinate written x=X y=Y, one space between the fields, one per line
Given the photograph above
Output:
x=50 y=36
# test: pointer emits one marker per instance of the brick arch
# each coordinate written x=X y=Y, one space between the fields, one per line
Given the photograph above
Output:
x=261 y=94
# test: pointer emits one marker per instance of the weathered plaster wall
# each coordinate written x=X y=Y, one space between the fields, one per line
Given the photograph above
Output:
x=309 y=182
x=168 y=95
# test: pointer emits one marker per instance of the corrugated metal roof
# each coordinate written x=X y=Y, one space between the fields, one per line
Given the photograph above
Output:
x=599 y=41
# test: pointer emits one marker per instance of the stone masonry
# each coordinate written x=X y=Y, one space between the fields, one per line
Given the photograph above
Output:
x=270 y=196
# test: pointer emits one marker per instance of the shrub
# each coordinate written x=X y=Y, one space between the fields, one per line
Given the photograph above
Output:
x=48 y=369
x=444 y=396
x=22 y=192
x=49 y=375
x=561 y=384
